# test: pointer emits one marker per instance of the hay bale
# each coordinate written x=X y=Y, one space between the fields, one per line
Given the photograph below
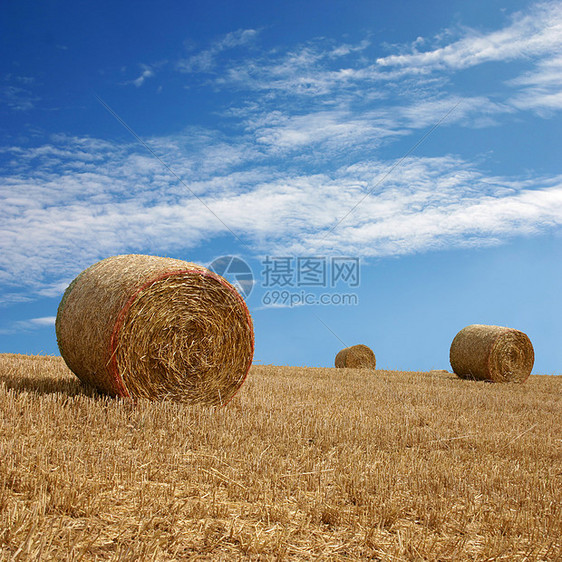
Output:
x=492 y=353
x=149 y=327
x=356 y=357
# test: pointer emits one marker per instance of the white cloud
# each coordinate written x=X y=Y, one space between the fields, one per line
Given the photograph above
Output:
x=7 y=299
x=426 y=204
x=146 y=73
x=345 y=130
x=404 y=224
x=346 y=49
x=336 y=129
x=16 y=92
x=322 y=90
x=31 y=324
x=320 y=69
x=541 y=88
x=43 y=321
x=296 y=161
x=57 y=220
x=17 y=98
x=447 y=110
x=531 y=34
x=236 y=39
x=316 y=68
x=310 y=83
x=205 y=60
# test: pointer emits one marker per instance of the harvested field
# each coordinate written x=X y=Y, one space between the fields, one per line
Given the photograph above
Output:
x=303 y=464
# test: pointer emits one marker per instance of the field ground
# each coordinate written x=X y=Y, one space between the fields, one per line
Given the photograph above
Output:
x=303 y=464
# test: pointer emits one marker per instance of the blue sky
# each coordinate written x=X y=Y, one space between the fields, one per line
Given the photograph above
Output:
x=422 y=139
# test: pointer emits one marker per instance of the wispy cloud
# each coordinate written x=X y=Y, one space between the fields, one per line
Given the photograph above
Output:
x=330 y=132
x=308 y=81
x=204 y=61
x=17 y=92
x=80 y=210
x=296 y=159
x=7 y=299
x=529 y=34
x=313 y=69
x=334 y=129
x=326 y=77
x=42 y=321
x=29 y=325
x=541 y=88
x=147 y=72
x=17 y=97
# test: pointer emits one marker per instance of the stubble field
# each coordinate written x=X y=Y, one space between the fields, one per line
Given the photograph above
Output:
x=303 y=464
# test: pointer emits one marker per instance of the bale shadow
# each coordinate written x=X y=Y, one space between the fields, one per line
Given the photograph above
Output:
x=43 y=385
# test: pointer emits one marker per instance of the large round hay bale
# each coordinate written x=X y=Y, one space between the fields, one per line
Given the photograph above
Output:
x=159 y=328
x=356 y=357
x=492 y=353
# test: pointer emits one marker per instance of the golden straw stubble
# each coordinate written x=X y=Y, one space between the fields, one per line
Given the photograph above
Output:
x=159 y=328
x=356 y=357
x=492 y=353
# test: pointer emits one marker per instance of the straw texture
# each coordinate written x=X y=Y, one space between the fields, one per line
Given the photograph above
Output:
x=158 y=328
x=492 y=353
x=356 y=357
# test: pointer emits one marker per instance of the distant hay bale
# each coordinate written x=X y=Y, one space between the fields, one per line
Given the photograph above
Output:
x=356 y=357
x=158 y=328
x=492 y=353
